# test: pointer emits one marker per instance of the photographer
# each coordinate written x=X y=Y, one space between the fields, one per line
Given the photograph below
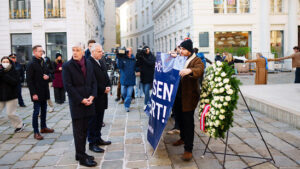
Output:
x=146 y=65
x=127 y=66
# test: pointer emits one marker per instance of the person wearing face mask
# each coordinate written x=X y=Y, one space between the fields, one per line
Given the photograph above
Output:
x=59 y=91
x=9 y=80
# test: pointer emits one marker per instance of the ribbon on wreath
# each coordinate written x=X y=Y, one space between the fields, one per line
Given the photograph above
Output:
x=202 y=119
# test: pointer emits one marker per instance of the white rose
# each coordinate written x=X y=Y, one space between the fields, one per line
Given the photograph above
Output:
x=223 y=74
x=225 y=103
x=221 y=117
x=206 y=100
x=226 y=80
x=217 y=112
x=219 y=69
x=222 y=111
x=230 y=91
x=220 y=84
x=214 y=66
x=216 y=98
x=222 y=98
x=211 y=124
x=213 y=130
x=219 y=63
x=221 y=90
x=215 y=91
x=227 y=87
x=228 y=98
x=217 y=123
x=204 y=95
x=216 y=73
x=220 y=106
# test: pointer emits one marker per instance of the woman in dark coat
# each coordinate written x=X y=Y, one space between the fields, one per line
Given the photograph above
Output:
x=59 y=91
x=9 y=80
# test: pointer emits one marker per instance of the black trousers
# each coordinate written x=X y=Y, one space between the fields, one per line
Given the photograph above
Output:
x=59 y=95
x=80 y=127
x=186 y=124
x=95 y=126
x=20 y=98
x=297 y=75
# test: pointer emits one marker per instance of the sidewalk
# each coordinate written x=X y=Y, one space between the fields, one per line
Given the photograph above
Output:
x=130 y=148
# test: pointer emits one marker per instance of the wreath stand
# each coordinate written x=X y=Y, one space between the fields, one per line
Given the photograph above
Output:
x=266 y=160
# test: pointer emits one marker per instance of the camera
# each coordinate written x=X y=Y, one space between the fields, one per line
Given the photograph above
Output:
x=121 y=52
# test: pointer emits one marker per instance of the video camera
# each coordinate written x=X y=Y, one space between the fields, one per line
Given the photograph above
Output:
x=121 y=52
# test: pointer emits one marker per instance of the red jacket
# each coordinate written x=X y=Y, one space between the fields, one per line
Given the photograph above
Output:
x=58 y=82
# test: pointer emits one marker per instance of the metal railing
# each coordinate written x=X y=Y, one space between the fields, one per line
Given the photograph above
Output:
x=20 y=14
x=55 y=13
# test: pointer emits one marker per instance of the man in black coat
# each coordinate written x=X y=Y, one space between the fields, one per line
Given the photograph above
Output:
x=20 y=70
x=37 y=81
x=101 y=101
x=80 y=83
x=146 y=64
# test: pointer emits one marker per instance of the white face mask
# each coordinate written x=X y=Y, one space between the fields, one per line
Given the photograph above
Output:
x=5 y=65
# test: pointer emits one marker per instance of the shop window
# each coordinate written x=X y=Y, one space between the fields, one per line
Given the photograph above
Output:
x=21 y=44
x=56 y=43
x=55 y=9
x=19 y=9
x=276 y=39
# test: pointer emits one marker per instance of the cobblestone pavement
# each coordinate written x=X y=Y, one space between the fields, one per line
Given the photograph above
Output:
x=130 y=149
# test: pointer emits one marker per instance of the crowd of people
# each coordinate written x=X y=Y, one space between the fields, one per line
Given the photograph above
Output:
x=85 y=80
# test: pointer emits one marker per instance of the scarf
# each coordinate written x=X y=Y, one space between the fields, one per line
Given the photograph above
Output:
x=82 y=66
x=266 y=62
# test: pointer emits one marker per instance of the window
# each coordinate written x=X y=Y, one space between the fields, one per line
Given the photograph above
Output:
x=21 y=44
x=148 y=40
x=55 y=9
x=143 y=18
x=136 y=22
x=276 y=6
x=56 y=43
x=147 y=15
x=19 y=9
x=137 y=42
x=131 y=42
x=130 y=24
x=276 y=40
x=231 y=6
x=203 y=39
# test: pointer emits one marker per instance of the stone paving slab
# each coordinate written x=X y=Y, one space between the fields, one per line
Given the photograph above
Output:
x=130 y=148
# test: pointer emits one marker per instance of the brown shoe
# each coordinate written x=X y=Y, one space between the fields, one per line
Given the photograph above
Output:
x=47 y=130
x=38 y=136
x=187 y=156
x=178 y=143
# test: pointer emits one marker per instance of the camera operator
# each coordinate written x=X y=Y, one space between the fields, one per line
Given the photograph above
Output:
x=146 y=65
x=127 y=66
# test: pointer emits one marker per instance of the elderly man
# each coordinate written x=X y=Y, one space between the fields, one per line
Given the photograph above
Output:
x=127 y=71
x=81 y=86
x=103 y=88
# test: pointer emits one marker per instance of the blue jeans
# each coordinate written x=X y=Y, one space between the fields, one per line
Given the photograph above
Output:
x=37 y=106
x=126 y=94
x=146 y=89
x=138 y=87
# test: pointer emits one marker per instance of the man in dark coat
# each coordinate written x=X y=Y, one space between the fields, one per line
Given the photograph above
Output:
x=87 y=53
x=101 y=101
x=146 y=64
x=37 y=81
x=80 y=83
x=20 y=70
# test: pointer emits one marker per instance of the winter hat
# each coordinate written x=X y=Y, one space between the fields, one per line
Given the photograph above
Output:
x=145 y=47
x=57 y=55
x=188 y=45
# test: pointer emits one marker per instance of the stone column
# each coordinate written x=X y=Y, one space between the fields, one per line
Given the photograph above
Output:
x=292 y=32
x=264 y=30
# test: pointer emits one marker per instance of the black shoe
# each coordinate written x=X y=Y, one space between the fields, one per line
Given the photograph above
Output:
x=96 y=149
x=17 y=130
x=87 y=162
x=22 y=105
x=103 y=143
x=88 y=156
x=117 y=99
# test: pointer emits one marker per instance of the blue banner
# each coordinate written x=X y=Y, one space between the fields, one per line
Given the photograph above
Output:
x=165 y=85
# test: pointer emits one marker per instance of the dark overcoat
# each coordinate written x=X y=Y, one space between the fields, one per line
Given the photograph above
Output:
x=103 y=81
x=79 y=87
x=35 y=81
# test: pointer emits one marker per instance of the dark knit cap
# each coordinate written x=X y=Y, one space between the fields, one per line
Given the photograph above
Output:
x=145 y=47
x=188 y=45
x=57 y=55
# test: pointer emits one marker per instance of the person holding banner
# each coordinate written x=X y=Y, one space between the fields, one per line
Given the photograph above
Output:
x=187 y=98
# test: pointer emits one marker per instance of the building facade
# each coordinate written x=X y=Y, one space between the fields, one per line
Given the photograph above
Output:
x=54 y=24
x=136 y=23
x=110 y=25
x=242 y=27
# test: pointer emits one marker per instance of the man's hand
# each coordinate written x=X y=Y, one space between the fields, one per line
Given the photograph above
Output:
x=90 y=100
x=85 y=102
x=46 y=77
x=35 y=97
x=107 y=90
x=185 y=72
